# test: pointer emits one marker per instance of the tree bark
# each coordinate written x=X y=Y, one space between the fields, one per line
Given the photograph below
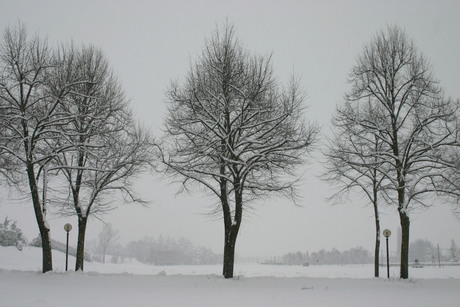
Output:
x=232 y=227
x=80 y=261
x=229 y=251
x=47 y=263
x=47 y=259
x=377 y=227
x=405 y=225
x=377 y=246
x=231 y=233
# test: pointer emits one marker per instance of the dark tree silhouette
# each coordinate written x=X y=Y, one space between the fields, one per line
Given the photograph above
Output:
x=395 y=100
x=106 y=149
x=231 y=130
x=29 y=103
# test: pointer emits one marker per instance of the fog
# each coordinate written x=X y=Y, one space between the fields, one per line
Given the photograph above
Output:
x=150 y=43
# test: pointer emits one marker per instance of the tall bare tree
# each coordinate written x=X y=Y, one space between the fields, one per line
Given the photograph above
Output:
x=351 y=163
x=231 y=130
x=106 y=149
x=393 y=82
x=28 y=114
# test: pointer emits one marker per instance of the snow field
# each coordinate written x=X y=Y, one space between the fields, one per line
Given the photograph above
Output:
x=137 y=284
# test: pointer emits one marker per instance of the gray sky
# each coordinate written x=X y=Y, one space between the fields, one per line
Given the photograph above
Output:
x=148 y=43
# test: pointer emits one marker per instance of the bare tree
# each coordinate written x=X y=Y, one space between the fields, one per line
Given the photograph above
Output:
x=351 y=163
x=28 y=114
x=231 y=130
x=393 y=82
x=107 y=238
x=106 y=148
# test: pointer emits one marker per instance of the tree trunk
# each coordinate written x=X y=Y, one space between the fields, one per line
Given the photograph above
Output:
x=47 y=263
x=377 y=229
x=229 y=251
x=80 y=261
x=377 y=247
x=405 y=225
x=232 y=227
x=47 y=259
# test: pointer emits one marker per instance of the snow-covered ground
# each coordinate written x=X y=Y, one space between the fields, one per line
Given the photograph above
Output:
x=136 y=284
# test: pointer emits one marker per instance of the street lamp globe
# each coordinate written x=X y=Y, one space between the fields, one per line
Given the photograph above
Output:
x=386 y=233
x=67 y=227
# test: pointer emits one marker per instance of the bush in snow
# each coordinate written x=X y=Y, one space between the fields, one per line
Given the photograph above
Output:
x=10 y=234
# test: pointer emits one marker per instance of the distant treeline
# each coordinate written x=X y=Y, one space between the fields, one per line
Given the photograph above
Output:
x=422 y=250
x=356 y=255
x=165 y=251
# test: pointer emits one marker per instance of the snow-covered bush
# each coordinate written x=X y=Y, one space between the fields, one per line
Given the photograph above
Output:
x=10 y=234
x=37 y=242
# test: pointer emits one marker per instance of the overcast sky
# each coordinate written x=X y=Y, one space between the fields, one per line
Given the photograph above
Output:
x=149 y=43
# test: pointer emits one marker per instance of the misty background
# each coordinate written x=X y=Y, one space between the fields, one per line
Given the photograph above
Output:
x=150 y=43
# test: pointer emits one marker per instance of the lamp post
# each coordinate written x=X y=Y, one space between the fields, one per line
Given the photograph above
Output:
x=387 y=234
x=67 y=228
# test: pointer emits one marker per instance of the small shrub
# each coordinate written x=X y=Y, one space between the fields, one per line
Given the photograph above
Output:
x=11 y=234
